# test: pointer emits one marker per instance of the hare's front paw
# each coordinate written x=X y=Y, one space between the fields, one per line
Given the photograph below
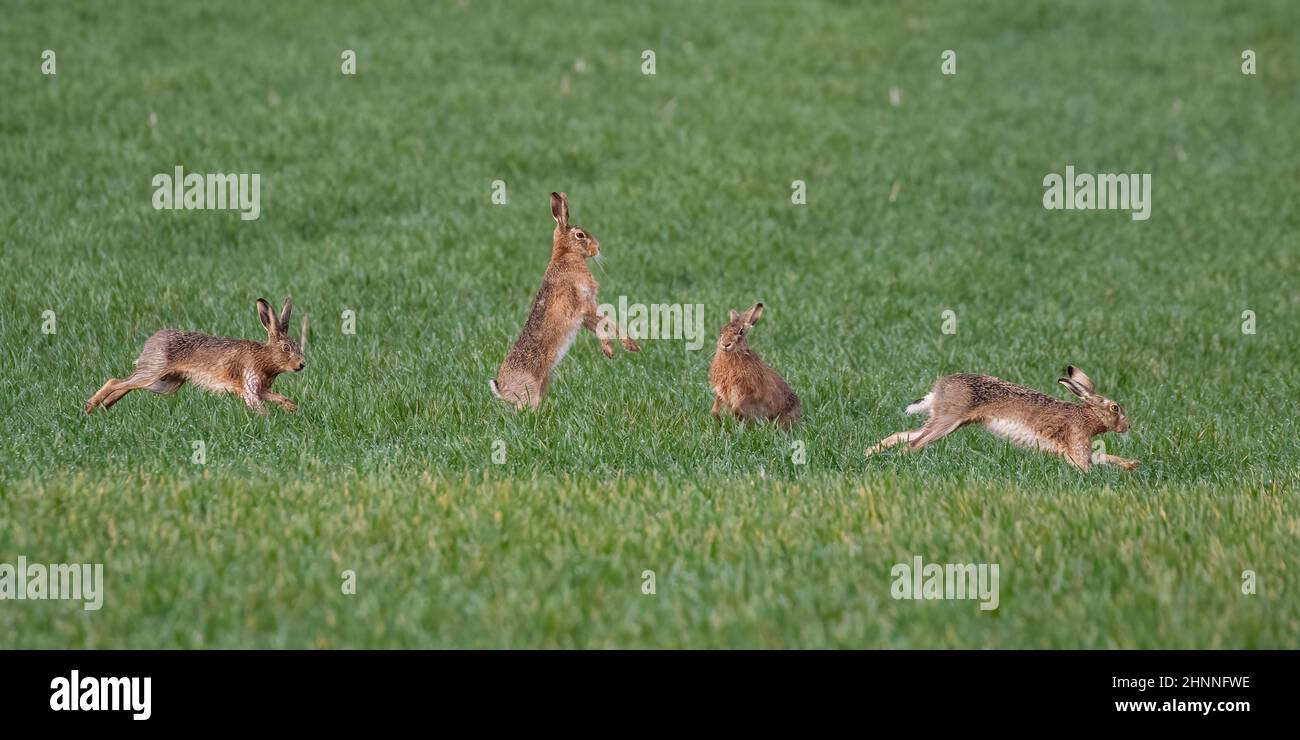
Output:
x=607 y=348
x=1128 y=464
x=289 y=406
x=630 y=345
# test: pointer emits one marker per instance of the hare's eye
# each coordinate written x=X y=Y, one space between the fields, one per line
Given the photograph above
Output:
x=1114 y=407
x=580 y=235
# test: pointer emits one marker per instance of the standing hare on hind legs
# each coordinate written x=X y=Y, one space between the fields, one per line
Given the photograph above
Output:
x=240 y=367
x=1020 y=414
x=564 y=304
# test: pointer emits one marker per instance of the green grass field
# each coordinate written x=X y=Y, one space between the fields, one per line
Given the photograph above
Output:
x=376 y=198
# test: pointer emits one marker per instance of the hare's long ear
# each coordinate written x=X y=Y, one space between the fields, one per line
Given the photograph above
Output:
x=285 y=310
x=560 y=209
x=1075 y=388
x=732 y=316
x=753 y=314
x=1077 y=376
x=302 y=336
x=266 y=317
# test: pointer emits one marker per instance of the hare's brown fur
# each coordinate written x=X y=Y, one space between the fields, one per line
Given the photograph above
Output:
x=1022 y=415
x=241 y=367
x=743 y=383
x=565 y=304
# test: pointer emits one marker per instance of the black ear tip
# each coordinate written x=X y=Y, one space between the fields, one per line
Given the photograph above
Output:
x=1070 y=369
x=758 y=305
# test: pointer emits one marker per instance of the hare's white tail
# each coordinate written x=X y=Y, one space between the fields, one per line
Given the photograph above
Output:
x=493 y=385
x=922 y=404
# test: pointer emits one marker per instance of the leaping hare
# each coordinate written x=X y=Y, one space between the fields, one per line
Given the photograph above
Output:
x=1020 y=414
x=565 y=303
x=239 y=366
x=744 y=383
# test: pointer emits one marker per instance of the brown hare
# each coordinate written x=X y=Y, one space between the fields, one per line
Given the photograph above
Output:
x=239 y=366
x=565 y=303
x=1020 y=414
x=743 y=383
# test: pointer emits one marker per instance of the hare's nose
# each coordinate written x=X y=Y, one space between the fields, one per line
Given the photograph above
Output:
x=301 y=365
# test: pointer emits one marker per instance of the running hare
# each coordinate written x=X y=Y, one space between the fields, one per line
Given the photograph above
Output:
x=1020 y=414
x=239 y=366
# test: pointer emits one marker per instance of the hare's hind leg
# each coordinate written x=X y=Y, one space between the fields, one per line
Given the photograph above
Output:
x=150 y=369
x=521 y=390
x=893 y=439
x=103 y=392
x=167 y=385
x=534 y=400
x=123 y=388
x=111 y=393
x=786 y=420
x=140 y=380
x=935 y=428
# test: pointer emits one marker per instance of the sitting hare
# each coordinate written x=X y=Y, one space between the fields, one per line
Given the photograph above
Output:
x=239 y=366
x=744 y=383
